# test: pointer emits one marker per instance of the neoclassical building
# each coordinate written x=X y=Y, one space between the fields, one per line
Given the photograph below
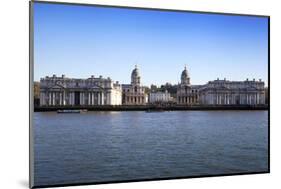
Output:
x=224 y=92
x=61 y=91
x=158 y=97
x=187 y=94
x=220 y=92
x=134 y=93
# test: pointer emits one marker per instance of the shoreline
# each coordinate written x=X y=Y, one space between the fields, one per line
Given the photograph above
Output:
x=152 y=108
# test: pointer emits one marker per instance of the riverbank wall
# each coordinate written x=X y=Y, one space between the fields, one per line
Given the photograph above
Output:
x=151 y=108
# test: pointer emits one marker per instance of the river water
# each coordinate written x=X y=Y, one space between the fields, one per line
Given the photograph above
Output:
x=114 y=146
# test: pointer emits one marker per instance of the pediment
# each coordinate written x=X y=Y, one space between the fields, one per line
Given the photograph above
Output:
x=57 y=86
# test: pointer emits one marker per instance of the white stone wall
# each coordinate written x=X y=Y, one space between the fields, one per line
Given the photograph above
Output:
x=134 y=95
x=159 y=97
x=223 y=92
x=60 y=91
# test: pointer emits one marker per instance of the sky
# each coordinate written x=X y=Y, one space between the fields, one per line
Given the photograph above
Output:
x=80 y=41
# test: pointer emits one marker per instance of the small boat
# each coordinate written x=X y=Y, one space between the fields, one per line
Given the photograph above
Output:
x=72 y=111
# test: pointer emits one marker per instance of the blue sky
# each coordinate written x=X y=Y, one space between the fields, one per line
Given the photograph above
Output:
x=80 y=41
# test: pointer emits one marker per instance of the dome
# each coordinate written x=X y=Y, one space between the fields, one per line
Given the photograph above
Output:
x=135 y=72
x=135 y=77
x=185 y=77
x=184 y=73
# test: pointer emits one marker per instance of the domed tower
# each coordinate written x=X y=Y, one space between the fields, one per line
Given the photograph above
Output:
x=185 y=79
x=135 y=77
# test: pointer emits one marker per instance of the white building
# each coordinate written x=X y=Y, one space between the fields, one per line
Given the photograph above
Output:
x=224 y=92
x=187 y=94
x=155 y=97
x=134 y=93
x=220 y=92
x=62 y=91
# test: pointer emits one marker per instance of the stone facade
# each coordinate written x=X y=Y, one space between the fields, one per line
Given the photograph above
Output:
x=134 y=93
x=158 y=97
x=220 y=92
x=187 y=94
x=224 y=92
x=61 y=91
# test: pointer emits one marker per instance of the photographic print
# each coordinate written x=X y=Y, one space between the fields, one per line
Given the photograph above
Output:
x=121 y=94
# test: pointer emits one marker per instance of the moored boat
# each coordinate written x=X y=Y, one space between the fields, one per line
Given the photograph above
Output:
x=71 y=111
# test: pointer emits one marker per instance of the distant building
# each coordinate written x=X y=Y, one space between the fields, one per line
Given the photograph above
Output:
x=158 y=97
x=187 y=94
x=220 y=92
x=61 y=91
x=134 y=93
x=224 y=92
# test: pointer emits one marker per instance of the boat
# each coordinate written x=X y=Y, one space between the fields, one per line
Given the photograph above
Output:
x=72 y=111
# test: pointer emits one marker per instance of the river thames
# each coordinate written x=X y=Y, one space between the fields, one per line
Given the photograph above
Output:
x=115 y=146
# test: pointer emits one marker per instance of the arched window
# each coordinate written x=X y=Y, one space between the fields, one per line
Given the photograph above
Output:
x=136 y=89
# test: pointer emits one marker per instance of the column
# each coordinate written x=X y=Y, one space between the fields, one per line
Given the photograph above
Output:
x=63 y=98
x=109 y=101
x=54 y=98
x=60 y=96
x=93 y=98
x=81 y=100
x=51 y=98
x=102 y=98
x=72 y=98
x=98 y=98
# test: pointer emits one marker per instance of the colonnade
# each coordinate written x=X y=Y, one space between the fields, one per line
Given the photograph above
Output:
x=54 y=98
x=232 y=98
x=135 y=100
x=93 y=98
x=187 y=99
